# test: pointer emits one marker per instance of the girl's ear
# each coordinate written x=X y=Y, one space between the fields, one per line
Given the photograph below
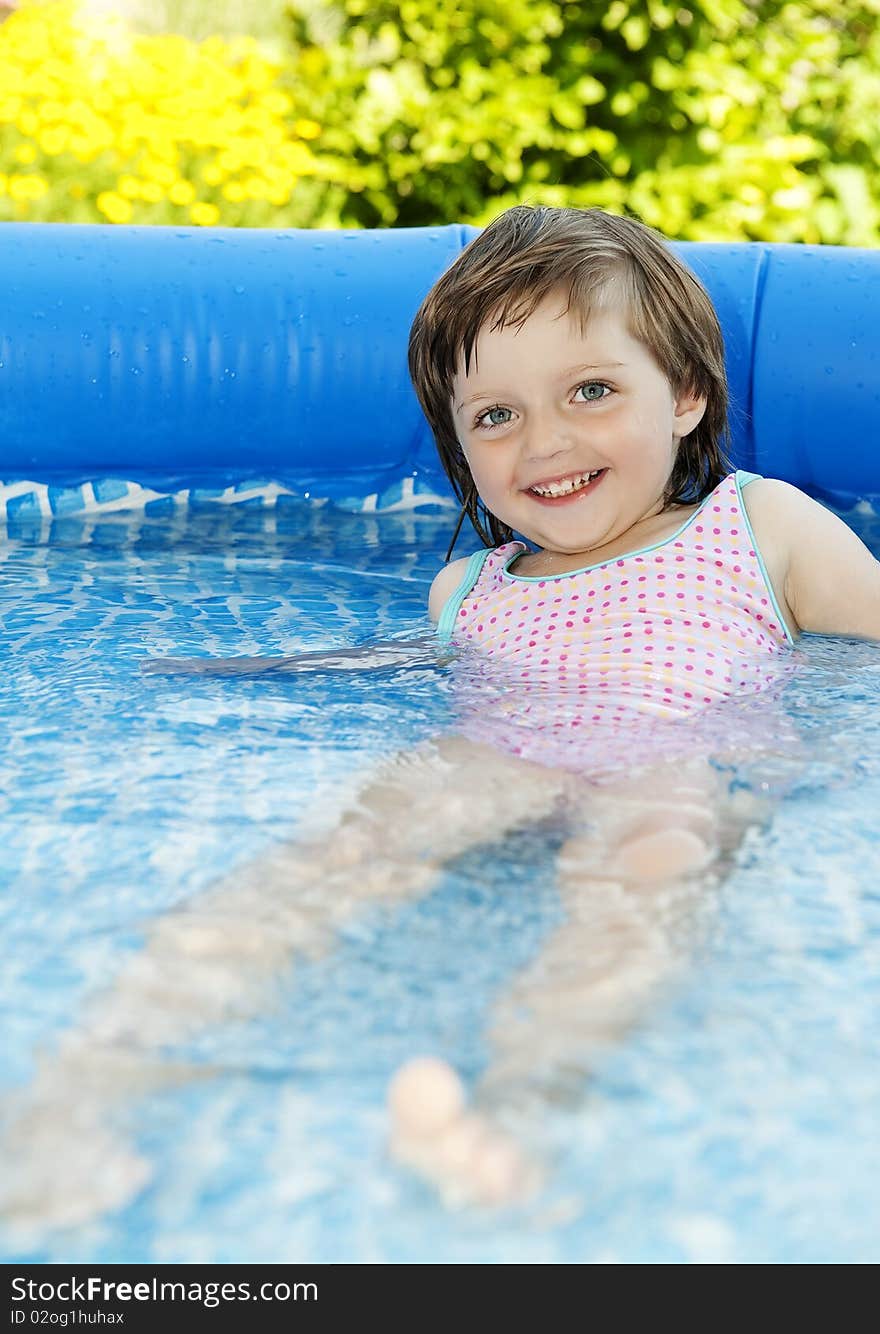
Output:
x=690 y=408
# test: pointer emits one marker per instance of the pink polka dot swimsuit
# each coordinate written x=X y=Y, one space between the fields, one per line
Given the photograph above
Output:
x=660 y=633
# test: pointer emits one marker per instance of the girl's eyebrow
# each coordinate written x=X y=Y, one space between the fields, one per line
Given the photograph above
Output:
x=576 y=370
x=563 y=375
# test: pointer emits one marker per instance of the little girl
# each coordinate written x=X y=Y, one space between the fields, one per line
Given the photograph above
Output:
x=572 y=372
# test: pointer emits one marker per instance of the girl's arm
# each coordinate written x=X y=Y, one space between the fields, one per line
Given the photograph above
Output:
x=393 y=655
x=832 y=582
x=388 y=656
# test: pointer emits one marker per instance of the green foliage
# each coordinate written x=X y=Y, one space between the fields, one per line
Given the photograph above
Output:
x=710 y=119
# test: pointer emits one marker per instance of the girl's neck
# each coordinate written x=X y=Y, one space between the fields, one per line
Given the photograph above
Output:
x=653 y=528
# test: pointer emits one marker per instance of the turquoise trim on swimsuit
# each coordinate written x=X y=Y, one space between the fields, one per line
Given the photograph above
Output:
x=742 y=479
x=624 y=555
x=450 y=610
x=475 y=565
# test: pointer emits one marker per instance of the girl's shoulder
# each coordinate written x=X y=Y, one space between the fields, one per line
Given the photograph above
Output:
x=780 y=518
x=764 y=501
x=450 y=579
x=445 y=584
x=830 y=580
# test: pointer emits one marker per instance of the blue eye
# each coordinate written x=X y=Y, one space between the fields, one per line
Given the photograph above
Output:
x=594 y=384
x=479 y=423
x=487 y=420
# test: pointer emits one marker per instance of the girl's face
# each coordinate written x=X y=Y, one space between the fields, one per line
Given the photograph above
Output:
x=544 y=407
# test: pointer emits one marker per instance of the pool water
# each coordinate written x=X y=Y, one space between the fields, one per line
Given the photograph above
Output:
x=736 y=1123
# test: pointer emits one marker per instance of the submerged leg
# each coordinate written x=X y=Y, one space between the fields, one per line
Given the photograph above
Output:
x=219 y=956
x=636 y=878
x=222 y=956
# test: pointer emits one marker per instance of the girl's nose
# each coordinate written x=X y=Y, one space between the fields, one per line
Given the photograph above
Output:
x=546 y=435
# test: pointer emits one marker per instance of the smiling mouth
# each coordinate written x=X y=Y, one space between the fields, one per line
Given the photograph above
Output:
x=577 y=484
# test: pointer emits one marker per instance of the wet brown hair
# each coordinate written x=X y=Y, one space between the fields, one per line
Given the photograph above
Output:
x=501 y=277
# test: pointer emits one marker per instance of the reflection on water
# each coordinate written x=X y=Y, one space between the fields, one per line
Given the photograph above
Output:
x=741 y=1111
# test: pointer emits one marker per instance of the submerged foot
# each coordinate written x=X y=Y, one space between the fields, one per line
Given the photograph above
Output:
x=461 y=1153
x=63 y=1169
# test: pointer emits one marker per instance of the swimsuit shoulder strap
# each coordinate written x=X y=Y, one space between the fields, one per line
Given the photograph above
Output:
x=472 y=572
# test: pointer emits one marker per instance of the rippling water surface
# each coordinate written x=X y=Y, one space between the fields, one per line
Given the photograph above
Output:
x=738 y=1122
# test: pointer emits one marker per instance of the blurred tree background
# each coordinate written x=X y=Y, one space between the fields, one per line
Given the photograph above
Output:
x=709 y=119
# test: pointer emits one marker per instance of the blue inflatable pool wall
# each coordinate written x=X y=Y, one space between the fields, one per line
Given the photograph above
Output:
x=157 y=361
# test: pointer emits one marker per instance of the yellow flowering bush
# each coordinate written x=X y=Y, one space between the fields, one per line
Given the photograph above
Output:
x=100 y=124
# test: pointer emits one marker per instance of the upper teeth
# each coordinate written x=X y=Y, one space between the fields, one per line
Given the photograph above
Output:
x=566 y=487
